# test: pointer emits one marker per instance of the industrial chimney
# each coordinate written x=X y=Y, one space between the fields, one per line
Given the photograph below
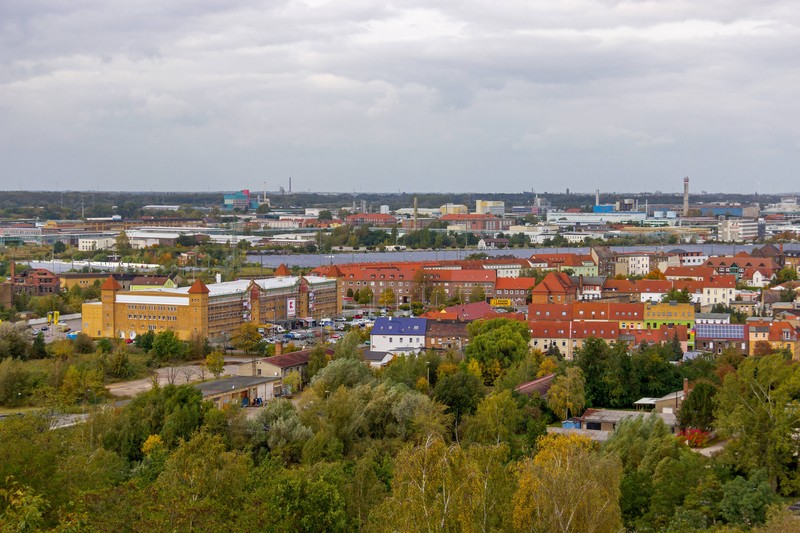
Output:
x=686 y=197
x=597 y=197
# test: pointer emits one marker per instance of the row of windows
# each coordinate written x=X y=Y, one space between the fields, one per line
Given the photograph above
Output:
x=153 y=317
x=140 y=307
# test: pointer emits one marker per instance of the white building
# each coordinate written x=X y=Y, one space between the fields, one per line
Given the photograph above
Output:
x=490 y=207
x=569 y=219
x=398 y=333
x=97 y=243
x=737 y=229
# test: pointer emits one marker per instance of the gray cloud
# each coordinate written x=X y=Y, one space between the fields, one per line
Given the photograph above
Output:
x=361 y=95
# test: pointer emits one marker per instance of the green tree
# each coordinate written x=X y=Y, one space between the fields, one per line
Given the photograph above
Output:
x=498 y=339
x=317 y=360
x=365 y=296
x=38 y=348
x=201 y=485
x=697 y=410
x=215 y=362
x=477 y=294
x=59 y=247
x=676 y=295
x=246 y=338
x=347 y=346
x=144 y=341
x=460 y=392
x=167 y=346
x=496 y=420
x=567 y=393
x=758 y=410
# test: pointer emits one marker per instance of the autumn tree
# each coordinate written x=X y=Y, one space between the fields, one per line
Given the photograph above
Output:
x=568 y=486
x=215 y=362
x=246 y=338
x=292 y=381
x=567 y=393
x=496 y=419
x=387 y=298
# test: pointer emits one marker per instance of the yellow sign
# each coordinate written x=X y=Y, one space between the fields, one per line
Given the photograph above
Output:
x=500 y=302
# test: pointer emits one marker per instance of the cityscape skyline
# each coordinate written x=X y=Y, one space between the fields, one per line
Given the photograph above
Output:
x=356 y=97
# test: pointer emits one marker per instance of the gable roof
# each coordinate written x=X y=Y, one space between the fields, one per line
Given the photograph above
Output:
x=539 y=385
x=291 y=359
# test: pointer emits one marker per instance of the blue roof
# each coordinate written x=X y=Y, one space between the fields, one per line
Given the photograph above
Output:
x=399 y=326
x=720 y=331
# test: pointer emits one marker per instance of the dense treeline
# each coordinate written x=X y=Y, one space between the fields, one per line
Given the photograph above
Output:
x=427 y=444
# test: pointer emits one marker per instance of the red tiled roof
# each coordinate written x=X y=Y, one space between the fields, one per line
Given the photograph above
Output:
x=555 y=282
x=282 y=270
x=110 y=284
x=677 y=272
x=198 y=287
x=599 y=330
x=549 y=312
x=554 y=329
x=662 y=334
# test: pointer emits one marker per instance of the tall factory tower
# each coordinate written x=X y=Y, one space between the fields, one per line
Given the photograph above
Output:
x=686 y=197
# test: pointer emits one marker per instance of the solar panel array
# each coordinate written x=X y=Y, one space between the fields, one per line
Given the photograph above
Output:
x=720 y=331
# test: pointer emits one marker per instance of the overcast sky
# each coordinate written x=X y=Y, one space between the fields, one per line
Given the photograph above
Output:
x=365 y=95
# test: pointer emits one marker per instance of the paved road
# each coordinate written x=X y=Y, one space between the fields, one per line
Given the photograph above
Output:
x=178 y=375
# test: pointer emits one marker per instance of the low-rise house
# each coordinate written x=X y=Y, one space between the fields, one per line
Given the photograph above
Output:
x=607 y=419
x=488 y=243
x=668 y=313
x=279 y=365
x=712 y=318
x=516 y=290
x=377 y=359
x=446 y=335
x=773 y=335
x=715 y=338
x=556 y=287
x=240 y=390
x=392 y=333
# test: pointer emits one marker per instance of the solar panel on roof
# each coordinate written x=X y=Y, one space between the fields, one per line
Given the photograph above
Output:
x=720 y=331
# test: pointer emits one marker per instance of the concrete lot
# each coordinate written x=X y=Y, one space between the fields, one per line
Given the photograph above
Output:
x=178 y=375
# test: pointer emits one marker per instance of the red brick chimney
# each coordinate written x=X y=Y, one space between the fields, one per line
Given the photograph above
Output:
x=13 y=271
x=685 y=388
x=279 y=348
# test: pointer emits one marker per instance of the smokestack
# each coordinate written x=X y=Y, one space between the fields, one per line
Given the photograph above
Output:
x=279 y=347
x=290 y=184
x=597 y=197
x=685 y=388
x=218 y=277
x=686 y=197
x=13 y=271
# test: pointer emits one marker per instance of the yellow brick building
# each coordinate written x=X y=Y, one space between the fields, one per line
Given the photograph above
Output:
x=214 y=311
